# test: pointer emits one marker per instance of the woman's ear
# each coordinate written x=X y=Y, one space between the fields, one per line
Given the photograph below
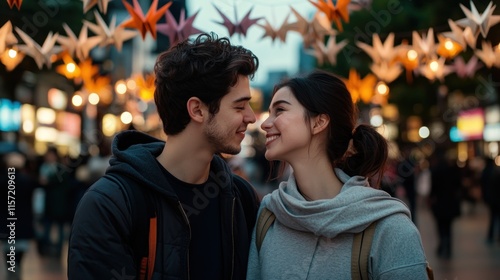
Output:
x=320 y=123
x=196 y=109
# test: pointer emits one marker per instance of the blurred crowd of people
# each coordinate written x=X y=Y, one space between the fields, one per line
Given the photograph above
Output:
x=47 y=190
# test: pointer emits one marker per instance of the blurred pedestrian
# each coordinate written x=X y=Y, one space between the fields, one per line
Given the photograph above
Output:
x=444 y=198
x=490 y=184
x=54 y=177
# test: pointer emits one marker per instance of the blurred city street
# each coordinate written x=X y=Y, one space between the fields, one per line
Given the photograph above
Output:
x=472 y=257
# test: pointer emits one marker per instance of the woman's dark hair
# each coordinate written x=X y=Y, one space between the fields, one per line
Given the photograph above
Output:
x=322 y=92
x=206 y=68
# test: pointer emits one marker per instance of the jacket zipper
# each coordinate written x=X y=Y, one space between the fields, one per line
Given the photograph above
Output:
x=189 y=226
x=232 y=238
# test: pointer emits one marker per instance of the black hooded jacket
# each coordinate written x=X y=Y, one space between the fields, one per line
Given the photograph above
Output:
x=103 y=234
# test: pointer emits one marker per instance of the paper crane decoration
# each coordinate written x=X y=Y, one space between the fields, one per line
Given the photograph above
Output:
x=144 y=23
x=41 y=54
x=313 y=30
x=466 y=70
x=435 y=69
x=11 y=58
x=329 y=51
x=111 y=34
x=240 y=27
x=447 y=47
x=276 y=33
x=425 y=45
x=69 y=69
x=79 y=47
x=333 y=12
x=146 y=86
x=16 y=3
x=7 y=38
x=87 y=71
x=476 y=21
x=386 y=71
x=101 y=4
x=490 y=56
x=360 y=88
x=380 y=52
x=177 y=32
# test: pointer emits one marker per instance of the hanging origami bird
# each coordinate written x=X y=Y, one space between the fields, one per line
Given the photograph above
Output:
x=240 y=27
x=144 y=23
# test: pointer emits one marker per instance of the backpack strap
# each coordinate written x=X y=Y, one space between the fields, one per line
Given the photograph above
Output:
x=144 y=225
x=266 y=219
x=361 y=246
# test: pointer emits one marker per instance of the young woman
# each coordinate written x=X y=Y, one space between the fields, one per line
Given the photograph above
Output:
x=328 y=198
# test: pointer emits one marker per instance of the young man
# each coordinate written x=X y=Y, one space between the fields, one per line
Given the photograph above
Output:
x=204 y=213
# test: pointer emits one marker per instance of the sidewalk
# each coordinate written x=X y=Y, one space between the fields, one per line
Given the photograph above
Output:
x=472 y=258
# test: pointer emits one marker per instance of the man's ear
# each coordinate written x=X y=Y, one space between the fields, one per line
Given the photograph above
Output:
x=320 y=123
x=197 y=110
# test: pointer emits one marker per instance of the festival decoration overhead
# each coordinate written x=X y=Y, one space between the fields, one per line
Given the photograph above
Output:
x=466 y=70
x=276 y=33
x=111 y=34
x=146 y=86
x=41 y=54
x=144 y=23
x=425 y=45
x=360 y=88
x=334 y=12
x=69 y=69
x=313 y=30
x=88 y=71
x=380 y=52
x=16 y=3
x=456 y=34
x=329 y=51
x=239 y=27
x=80 y=46
x=435 y=69
x=7 y=38
x=101 y=4
x=476 y=21
x=386 y=71
x=409 y=58
x=489 y=56
x=11 y=58
x=448 y=48
x=177 y=32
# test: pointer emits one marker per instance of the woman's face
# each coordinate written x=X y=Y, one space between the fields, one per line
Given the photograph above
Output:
x=288 y=133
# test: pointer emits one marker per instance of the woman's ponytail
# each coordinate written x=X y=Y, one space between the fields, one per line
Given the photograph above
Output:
x=369 y=153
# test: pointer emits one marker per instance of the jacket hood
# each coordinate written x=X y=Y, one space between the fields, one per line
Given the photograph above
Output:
x=134 y=156
x=351 y=211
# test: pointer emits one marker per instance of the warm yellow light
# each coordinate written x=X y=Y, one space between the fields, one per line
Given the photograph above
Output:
x=382 y=88
x=77 y=100
x=71 y=67
x=448 y=44
x=12 y=53
x=412 y=54
x=434 y=66
x=46 y=134
x=109 y=125
x=28 y=126
x=131 y=84
x=498 y=47
x=120 y=87
x=126 y=117
x=94 y=98
x=45 y=115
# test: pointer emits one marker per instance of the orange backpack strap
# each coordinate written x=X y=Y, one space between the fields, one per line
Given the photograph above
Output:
x=361 y=246
x=266 y=219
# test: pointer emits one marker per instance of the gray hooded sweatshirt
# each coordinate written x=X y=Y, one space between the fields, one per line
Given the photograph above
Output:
x=313 y=239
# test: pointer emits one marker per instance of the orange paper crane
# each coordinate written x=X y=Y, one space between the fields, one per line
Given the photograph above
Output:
x=146 y=86
x=16 y=3
x=334 y=12
x=360 y=88
x=144 y=23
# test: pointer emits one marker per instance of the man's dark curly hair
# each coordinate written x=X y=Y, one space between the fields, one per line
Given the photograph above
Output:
x=205 y=68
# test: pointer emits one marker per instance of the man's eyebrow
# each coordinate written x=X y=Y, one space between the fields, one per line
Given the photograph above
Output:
x=246 y=98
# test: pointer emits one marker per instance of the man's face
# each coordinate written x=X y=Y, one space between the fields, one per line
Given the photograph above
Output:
x=226 y=129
